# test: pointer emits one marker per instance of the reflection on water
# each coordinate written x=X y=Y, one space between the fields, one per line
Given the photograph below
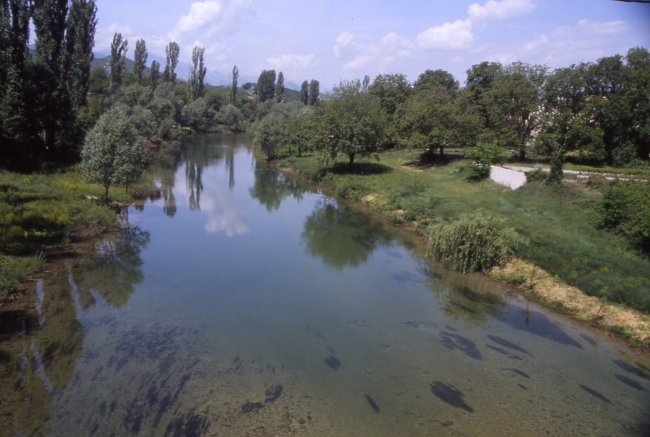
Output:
x=342 y=236
x=208 y=319
x=41 y=345
x=272 y=187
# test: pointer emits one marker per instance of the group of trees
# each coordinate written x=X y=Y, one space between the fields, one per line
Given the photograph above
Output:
x=599 y=112
x=42 y=116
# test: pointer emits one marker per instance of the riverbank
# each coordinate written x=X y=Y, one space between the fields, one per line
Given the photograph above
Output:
x=579 y=269
x=38 y=211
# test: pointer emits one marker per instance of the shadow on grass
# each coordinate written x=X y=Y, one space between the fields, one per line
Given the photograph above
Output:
x=360 y=168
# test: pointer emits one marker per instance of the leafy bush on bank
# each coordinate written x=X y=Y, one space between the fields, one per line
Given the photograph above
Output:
x=473 y=243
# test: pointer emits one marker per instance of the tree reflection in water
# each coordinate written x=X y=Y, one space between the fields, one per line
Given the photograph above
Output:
x=39 y=349
x=117 y=267
x=341 y=235
x=464 y=297
x=272 y=187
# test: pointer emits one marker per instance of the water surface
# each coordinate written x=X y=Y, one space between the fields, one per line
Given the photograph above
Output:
x=243 y=301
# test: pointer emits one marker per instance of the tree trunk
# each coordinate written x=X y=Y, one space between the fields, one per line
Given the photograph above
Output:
x=442 y=152
x=106 y=196
x=351 y=155
x=522 y=153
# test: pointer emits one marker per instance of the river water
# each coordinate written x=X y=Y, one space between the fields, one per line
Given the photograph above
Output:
x=244 y=302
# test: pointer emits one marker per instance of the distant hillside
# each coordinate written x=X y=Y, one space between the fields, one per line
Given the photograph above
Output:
x=106 y=63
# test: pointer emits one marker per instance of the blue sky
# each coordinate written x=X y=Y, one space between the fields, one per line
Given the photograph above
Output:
x=333 y=40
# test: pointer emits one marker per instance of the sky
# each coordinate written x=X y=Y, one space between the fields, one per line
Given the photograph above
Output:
x=334 y=40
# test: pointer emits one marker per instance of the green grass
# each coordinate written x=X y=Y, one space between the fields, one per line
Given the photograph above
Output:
x=40 y=210
x=556 y=227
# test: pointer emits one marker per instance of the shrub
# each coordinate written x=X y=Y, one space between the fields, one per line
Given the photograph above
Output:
x=626 y=211
x=475 y=242
x=538 y=175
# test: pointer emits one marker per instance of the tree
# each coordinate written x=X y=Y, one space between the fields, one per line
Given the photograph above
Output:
x=49 y=26
x=279 y=87
x=154 y=74
x=479 y=80
x=119 y=48
x=266 y=85
x=197 y=74
x=112 y=153
x=313 y=92
x=171 y=51
x=365 y=84
x=568 y=120
x=78 y=50
x=350 y=123
x=304 y=93
x=230 y=116
x=513 y=102
x=140 y=59
x=436 y=79
x=270 y=134
x=391 y=89
x=233 y=87
x=436 y=119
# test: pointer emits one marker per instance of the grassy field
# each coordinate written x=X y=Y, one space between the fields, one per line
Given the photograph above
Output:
x=40 y=210
x=556 y=226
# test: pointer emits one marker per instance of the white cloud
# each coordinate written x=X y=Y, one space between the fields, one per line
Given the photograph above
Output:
x=456 y=36
x=343 y=43
x=291 y=61
x=562 y=46
x=212 y=18
x=505 y=10
x=449 y=36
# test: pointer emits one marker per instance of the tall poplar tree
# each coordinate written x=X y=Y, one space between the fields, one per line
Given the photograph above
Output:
x=233 y=88
x=49 y=26
x=279 y=87
x=304 y=92
x=119 y=48
x=313 y=92
x=78 y=49
x=266 y=85
x=154 y=74
x=197 y=74
x=140 y=59
x=171 y=51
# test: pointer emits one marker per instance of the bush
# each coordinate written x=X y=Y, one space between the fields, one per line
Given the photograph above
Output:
x=538 y=175
x=626 y=211
x=473 y=243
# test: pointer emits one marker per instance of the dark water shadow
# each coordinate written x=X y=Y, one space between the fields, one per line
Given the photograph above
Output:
x=505 y=343
x=405 y=277
x=16 y=322
x=359 y=168
x=636 y=369
x=594 y=393
x=629 y=382
x=458 y=342
x=539 y=324
x=451 y=395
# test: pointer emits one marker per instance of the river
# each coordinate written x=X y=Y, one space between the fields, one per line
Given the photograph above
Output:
x=243 y=301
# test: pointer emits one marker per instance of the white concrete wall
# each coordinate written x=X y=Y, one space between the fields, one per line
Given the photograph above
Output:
x=509 y=178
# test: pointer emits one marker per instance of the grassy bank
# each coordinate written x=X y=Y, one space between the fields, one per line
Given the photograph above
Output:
x=41 y=210
x=556 y=227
